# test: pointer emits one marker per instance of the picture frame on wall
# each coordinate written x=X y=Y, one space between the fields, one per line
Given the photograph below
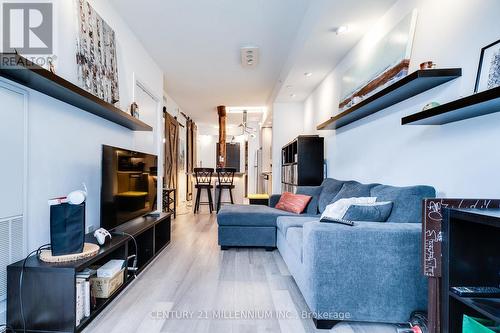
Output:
x=488 y=73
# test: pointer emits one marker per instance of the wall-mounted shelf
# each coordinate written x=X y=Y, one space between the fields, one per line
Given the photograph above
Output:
x=476 y=105
x=409 y=86
x=24 y=72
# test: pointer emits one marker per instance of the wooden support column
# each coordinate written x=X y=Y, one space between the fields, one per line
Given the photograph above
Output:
x=221 y=153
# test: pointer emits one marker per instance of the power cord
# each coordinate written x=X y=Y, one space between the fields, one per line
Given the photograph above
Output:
x=134 y=263
x=21 y=280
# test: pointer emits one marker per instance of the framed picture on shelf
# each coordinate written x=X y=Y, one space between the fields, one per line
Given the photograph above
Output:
x=488 y=73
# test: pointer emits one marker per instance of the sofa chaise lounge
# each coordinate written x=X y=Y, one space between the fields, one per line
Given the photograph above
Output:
x=367 y=272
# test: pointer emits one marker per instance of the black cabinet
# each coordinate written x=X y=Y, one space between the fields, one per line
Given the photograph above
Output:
x=302 y=163
x=471 y=257
x=49 y=292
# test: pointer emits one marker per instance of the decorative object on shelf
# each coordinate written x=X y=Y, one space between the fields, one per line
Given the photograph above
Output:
x=96 y=54
x=488 y=73
x=430 y=105
x=134 y=110
x=52 y=66
x=427 y=65
x=381 y=64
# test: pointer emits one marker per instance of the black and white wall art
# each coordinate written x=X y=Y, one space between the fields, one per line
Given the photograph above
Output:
x=96 y=54
x=488 y=74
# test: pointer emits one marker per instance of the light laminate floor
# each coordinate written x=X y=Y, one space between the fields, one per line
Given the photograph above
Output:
x=194 y=287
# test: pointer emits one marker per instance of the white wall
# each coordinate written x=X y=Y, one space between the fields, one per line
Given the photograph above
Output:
x=459 y=159
x=64 y=142
x=288 y=123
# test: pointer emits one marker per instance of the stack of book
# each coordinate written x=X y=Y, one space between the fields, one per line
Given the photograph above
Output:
x=83 y=296
x=290 y=174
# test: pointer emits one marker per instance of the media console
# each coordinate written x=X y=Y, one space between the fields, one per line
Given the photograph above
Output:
x=49 y=292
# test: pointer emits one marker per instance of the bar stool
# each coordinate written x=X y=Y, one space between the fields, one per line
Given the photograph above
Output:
x=225 y=179
x=203 y=182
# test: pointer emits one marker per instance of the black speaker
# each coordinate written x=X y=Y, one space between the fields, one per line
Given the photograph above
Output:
x=67 y=229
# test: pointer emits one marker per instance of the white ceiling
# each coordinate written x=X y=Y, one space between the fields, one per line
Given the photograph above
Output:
x=197 y=44
x=318 y=49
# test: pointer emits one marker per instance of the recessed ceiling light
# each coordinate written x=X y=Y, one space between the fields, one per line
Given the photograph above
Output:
x=293 y=95
x=343 y=29
x=308 y=74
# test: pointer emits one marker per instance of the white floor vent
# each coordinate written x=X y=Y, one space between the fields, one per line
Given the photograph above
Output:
x=11 y=248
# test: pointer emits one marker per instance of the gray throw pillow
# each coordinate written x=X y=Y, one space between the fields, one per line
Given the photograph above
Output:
x=353 y=189
x=314 y=192
x=377 y=212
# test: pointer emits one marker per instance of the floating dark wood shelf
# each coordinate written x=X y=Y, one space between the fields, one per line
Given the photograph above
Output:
x=476 y=105
x=24 y=72
x=409 y=86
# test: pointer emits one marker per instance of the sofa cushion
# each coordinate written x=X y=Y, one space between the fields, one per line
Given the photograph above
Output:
x=329 y=189
x=376 y=212
x=285 y=222
x=294 y=239
x=407 y=201
x=294 y=203
x=353 y=189
x=249 y=215
x=314 y=192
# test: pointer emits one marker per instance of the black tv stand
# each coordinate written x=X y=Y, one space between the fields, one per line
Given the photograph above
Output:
x=49 y=289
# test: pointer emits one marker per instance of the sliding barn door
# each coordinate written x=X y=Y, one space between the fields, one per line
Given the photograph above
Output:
x=171 y=151
x=191 y=132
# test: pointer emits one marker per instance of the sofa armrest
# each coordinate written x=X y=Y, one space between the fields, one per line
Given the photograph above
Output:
x=273 y=200
x=375 y=263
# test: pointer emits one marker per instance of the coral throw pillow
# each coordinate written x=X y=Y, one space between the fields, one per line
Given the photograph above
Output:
x=294 y=203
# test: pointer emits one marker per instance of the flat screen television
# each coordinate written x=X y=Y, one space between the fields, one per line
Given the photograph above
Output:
x=129 y=183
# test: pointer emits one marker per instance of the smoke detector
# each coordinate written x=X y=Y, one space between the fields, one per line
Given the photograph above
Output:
x=249 y=56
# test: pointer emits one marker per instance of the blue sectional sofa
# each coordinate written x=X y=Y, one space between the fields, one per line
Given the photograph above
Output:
x=368 y=272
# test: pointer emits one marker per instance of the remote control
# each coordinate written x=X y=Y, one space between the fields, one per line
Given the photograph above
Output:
x=476 y=291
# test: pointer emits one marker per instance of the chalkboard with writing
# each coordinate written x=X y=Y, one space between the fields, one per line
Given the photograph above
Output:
x=432 y=218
